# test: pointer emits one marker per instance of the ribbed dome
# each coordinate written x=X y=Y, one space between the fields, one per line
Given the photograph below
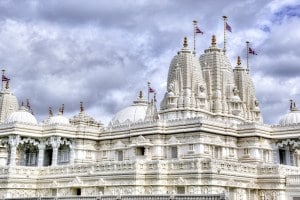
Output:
x=58 y=119
x=21 y=116
x=291 y=118
x=133 y=113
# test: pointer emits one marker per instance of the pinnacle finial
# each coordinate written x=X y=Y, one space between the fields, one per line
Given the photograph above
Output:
x=185 y=42
x=213 y=40
x=239 y=61
x=50 y=112
x=62 y=108
x=81 y=107
x=141 y=94
x=293 y=106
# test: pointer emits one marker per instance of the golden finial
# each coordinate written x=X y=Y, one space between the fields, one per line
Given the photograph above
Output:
x=239 y=61
x=213 y=40
x=185 y=42
x=141 y=94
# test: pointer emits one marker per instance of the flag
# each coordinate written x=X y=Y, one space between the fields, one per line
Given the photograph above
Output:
x=4 y=78
x=151 y=90
x=198 y=30
x=228 y=28
x=251 y=51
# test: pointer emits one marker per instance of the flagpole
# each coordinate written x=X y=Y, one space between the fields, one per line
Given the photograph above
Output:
x=247 y=49
x=195 y=24
x=225 y=19
x=2 y=86
x=148 y=91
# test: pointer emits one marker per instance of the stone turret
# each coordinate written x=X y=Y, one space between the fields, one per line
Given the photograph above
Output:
x=245 y=86
x=186 y=89
x=209 y=87
x=8 y=101
x=217 y=72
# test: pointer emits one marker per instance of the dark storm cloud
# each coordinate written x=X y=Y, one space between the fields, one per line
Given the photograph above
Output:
x=104 y=52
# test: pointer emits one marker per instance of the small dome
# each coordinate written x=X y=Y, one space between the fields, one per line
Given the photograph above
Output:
x=235 y=98
x=133 y=113
x=291 y=118
x=58 y=119
x=21 y=116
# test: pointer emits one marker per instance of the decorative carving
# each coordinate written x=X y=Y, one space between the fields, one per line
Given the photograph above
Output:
x=173 y=140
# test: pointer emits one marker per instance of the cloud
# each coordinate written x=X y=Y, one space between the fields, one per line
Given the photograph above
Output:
x=103 y=53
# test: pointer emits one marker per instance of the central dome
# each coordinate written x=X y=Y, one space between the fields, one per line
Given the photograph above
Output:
x=21 y=116
x=134 y=113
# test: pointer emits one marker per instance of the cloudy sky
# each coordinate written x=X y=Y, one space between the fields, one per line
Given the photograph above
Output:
x=104 y=52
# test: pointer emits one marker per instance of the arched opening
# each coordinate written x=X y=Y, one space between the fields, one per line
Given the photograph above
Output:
x=28 y=154
x=63 y=154
x=48 y=156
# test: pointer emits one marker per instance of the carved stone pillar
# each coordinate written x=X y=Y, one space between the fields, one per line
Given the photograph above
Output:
x=41 y=154
x=55 y=143
x=13 y=142
x=54 y=156
x=72 y=155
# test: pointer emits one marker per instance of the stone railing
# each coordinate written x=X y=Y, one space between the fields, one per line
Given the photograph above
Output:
x=293 y=180
x=229 y=168
x=155 y=166
x=278 y=170
x=131 y=197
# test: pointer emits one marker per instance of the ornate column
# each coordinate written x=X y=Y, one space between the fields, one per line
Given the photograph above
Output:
x=55 y=143
x=41 y=147
x=72 y=154
x=13 y=142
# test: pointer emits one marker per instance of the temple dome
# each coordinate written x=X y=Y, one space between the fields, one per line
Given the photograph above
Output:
x=290 y=118
x=58 y=119
x=22 y=115
x=134 y=113
x=293 y=117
